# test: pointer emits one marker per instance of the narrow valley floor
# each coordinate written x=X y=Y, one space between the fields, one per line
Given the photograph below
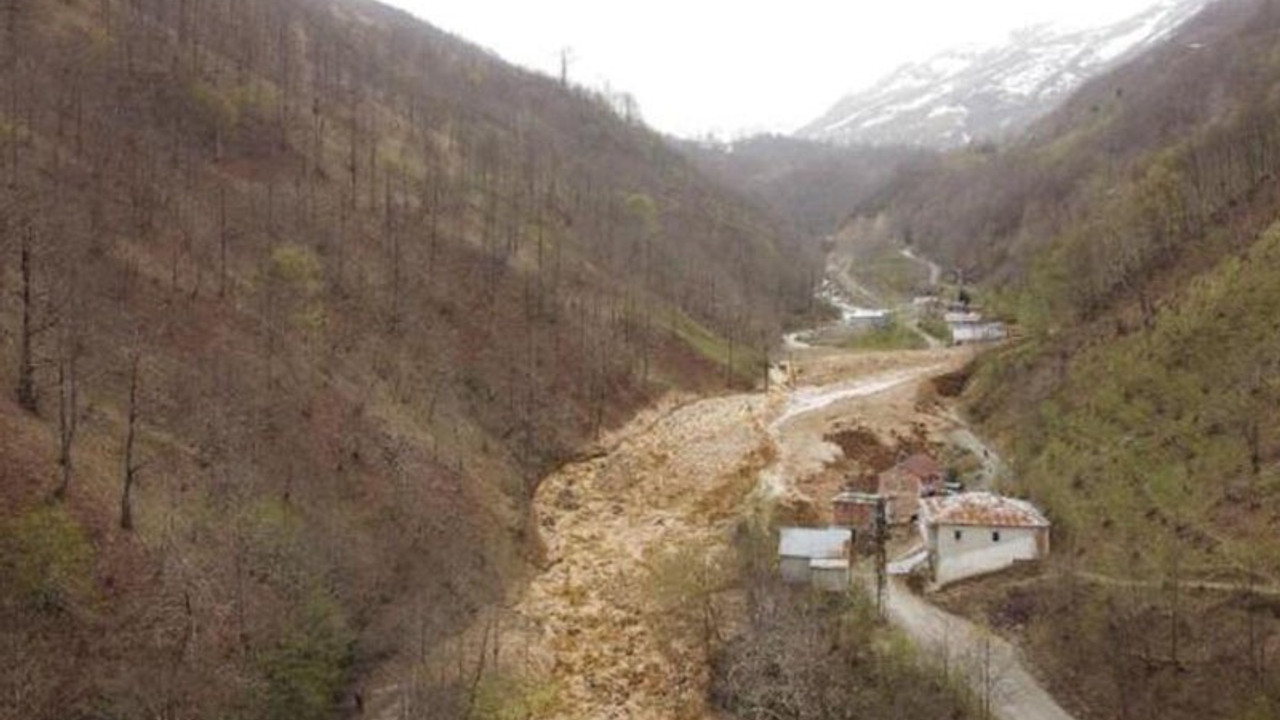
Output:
x=679 y=480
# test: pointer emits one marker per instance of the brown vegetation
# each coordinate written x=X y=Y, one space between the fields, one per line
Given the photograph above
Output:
x=301 y=298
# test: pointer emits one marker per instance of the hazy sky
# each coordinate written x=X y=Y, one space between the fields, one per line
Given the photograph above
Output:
x=730 y=66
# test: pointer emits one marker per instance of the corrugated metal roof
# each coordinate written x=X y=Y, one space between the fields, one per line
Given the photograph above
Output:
x=813 y=543
x=860 y=498
x=981 y=508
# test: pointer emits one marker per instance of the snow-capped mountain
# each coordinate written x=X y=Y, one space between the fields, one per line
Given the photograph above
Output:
x=969 y=94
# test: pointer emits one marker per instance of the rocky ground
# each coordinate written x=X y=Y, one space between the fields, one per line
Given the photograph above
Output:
x=681 y=477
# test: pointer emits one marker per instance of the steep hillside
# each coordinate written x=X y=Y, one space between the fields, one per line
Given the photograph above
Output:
x=812 y=184
x=980 y=94
x=300 y=300
x=1133 y=237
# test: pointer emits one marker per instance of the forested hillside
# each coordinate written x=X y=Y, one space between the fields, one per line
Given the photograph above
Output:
x=300 y=300
x=1132 y=235
x=813 y=184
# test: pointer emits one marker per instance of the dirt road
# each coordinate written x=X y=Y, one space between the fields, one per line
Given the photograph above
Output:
x=992 y=666
x=935 y=270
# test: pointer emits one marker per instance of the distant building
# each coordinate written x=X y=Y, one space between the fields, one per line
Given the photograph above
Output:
x=905 y=483
x=815 y=557
x=979 y=532
x=854 y=510
x=866 y=317
x=979 y=332
x=970 y=327
x=961 y=317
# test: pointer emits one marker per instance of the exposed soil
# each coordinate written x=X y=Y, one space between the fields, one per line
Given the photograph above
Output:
x=684 y=476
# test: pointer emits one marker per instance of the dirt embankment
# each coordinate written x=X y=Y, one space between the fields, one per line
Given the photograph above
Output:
x=587 y=626
x=684 y=480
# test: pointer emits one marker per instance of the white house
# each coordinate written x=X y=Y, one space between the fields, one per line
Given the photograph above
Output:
x=979 y=532
x=815 y=557
x=963 y=333
x=969 y=326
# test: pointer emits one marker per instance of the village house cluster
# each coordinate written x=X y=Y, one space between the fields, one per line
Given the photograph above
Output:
x=962 y=534
x=967 y=324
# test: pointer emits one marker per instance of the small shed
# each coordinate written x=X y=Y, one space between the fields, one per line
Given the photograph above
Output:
x=976 y=533
x=818 y=557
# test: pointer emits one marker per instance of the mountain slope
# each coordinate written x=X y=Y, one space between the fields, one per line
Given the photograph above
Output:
x=812 y=184
x=1132 y=236
x=316 y=293
x=991 y=93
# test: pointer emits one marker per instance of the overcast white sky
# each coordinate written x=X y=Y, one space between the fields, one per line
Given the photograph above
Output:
x=729 y=66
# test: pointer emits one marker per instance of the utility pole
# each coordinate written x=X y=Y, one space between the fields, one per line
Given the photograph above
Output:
x=566 y=58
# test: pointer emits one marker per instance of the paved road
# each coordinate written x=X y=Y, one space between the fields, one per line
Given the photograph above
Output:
x=992 y=666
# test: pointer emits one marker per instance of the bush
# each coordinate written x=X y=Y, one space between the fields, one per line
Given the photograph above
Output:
x=892 y=336
x=305 y=672
x=45 y=560
x=510 y=697
x=937 y=327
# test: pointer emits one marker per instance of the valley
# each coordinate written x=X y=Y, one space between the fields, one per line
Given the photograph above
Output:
x=348 y=370
x=674 y=487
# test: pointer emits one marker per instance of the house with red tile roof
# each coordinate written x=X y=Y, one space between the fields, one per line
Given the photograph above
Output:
x=905 y=483
x=977 y=533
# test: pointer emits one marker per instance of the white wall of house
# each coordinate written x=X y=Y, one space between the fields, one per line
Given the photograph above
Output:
x=831 y=579
x=977 y=332
x=961 y=551
x=794 y=570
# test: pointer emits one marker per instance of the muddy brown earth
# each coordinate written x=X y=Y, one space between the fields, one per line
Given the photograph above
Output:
x=587 y=625
x=685 y=480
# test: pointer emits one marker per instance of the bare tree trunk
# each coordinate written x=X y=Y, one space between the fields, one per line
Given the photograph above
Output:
x=130 y=469
x=26 y=390
x=68 y=417
x=222 y=242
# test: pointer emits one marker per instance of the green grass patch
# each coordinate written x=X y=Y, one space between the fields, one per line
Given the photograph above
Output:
x=893 y=336
x=936 y=327
x=744 y=362
x=46 y=561
x=504 y=696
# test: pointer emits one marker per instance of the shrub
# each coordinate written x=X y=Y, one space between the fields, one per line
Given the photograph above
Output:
x=46 y=560
x=304 y=673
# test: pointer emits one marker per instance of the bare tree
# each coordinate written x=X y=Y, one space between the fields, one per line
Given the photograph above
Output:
x=131 y=467
x=26 y=390
x=68 y=416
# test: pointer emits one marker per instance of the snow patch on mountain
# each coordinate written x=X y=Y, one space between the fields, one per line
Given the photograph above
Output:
x=989 y=92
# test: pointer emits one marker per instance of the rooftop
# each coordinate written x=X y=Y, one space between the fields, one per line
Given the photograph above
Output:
x=980 y=508
x=861 y=498
x=962 y=317
x=921 y=465
x=813 y=543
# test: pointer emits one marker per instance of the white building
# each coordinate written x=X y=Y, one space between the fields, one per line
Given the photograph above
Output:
x=979 y=532
x=963 y=333
x=815 y=557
